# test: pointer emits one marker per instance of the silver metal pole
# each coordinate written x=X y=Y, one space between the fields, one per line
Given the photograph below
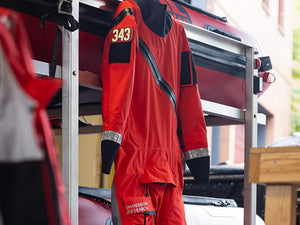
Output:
x=250 y=139
x=70 y=116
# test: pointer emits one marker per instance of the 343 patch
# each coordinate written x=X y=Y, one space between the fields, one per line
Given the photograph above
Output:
x=123 y=34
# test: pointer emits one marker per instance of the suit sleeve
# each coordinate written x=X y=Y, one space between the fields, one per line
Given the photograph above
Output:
x=117 y=73
x=191 y=119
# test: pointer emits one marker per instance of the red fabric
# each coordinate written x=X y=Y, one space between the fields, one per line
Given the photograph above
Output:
x=192 y=125
x=168 y=204
x=166 y=200
x=134 y=106
x=16 y=48
x=137 y=205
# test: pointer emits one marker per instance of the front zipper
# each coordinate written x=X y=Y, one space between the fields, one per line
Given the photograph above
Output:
x=155 y=71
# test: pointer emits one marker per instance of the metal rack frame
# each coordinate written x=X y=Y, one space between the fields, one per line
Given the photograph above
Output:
x=218 y=114
x=70 y=76
x=247 y=116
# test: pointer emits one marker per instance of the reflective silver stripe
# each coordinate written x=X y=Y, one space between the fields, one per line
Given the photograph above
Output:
x=196 y=153
x=112 y=136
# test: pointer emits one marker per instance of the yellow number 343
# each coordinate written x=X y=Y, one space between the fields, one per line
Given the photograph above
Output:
x=121 y=34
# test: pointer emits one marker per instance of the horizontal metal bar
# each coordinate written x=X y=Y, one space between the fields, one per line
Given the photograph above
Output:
x=217 y=113
x=224 y=111
x=211 y=121
x=42 y=68
x=94 y=3
x=84 y=110
x=201 y=35
x=93 y=129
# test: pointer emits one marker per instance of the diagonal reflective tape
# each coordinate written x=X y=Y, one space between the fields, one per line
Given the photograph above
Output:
x=155 y=71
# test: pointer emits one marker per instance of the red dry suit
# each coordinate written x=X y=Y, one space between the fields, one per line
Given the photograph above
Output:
x=150 y=95
x=31 y=190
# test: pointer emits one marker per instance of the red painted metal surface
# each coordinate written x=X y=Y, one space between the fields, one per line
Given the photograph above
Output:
x=198 y=19
x=92 y=212
x=42 y=43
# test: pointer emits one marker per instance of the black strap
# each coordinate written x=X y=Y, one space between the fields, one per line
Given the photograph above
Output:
x=52 y=66
x=66 y=20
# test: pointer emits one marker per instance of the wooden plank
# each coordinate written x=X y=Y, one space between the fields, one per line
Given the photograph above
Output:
x=275 y=165
x=254 y=168
x=280 y=206
x=275 y=149
x=280 y=167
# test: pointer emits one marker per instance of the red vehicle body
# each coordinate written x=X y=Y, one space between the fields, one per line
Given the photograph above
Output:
x=214 y=81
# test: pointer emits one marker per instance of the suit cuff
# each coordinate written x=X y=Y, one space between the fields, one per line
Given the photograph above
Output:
x=199 y=168
x=195 y=153
x=110 y=135
x=110 y=144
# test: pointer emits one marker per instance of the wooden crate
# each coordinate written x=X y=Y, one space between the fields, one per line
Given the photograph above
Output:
x=279 y=169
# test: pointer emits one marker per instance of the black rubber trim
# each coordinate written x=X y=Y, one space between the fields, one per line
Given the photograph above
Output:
x=97 y=198
x=90 y=17
x=218 y=59
x=93 y=20
x=222 y=32
x=98 y=192
x=155 y=71
x=152 y=213
x=121 y=16
x=223 y=19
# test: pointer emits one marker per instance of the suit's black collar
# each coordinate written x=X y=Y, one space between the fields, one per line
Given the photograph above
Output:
x=155 y=16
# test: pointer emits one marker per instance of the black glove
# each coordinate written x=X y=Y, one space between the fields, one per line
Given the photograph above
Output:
x=199 y=168
x=109 y=150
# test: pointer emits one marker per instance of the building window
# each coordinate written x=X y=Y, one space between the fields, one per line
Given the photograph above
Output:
x=198 y=3
x=266 y=6
x=281 y=15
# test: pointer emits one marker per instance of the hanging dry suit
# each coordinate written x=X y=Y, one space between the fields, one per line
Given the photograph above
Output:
x=152 y=114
